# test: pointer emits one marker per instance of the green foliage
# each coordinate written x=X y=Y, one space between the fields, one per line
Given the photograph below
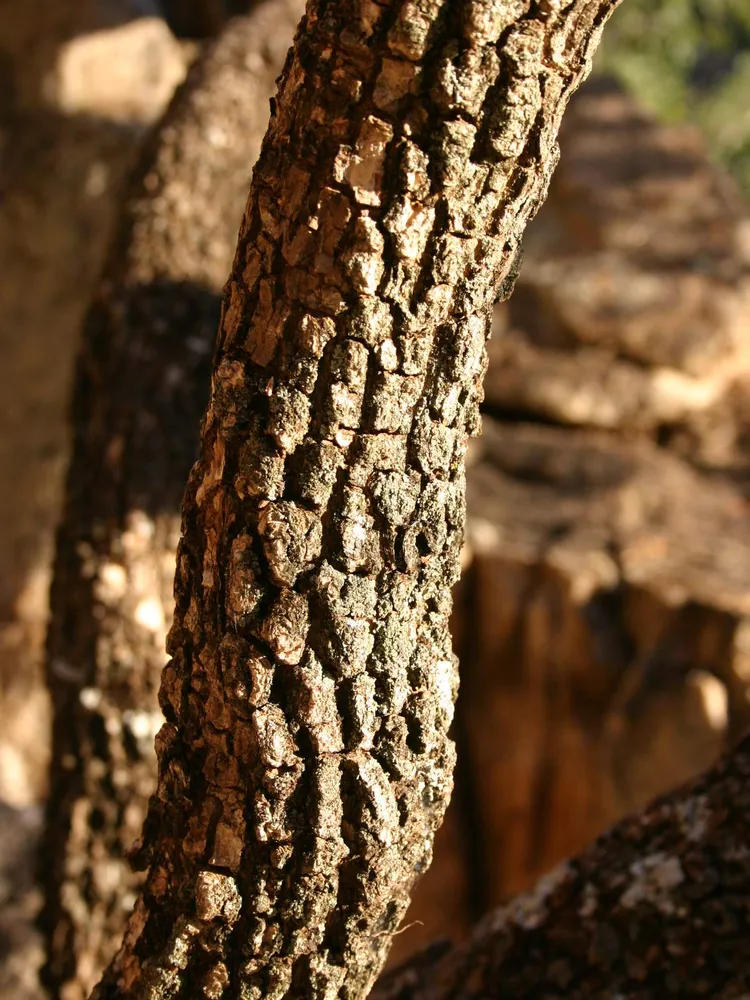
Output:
x=689 y=60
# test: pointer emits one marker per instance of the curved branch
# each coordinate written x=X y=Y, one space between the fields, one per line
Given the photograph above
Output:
x=305 y=763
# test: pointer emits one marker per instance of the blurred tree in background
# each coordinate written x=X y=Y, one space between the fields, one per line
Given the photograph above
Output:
x=689 y=60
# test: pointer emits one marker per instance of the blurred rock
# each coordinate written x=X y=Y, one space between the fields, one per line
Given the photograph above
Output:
x=605 y=617
x=603 y=629
x=633 y=303
x=593 y=386
x=127 y=73
x=48 y=49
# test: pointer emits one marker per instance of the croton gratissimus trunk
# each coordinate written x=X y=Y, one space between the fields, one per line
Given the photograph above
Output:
x=305 y=762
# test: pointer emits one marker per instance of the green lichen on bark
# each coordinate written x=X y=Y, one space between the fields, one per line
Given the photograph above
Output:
x=305 y=763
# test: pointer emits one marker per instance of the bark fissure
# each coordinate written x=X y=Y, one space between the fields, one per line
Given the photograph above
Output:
x=306 y=763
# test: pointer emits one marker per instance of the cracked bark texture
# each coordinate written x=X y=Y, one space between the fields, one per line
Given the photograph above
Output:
x=305 y=762
x=658 y=907
x=142 y=382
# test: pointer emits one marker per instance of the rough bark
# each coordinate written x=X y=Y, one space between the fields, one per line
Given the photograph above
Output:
x=142 y=382
x=305 y=762
x=658 y=907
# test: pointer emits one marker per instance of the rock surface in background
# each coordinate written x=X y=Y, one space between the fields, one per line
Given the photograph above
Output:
x=603 y=627
x=127 y=73
x=632 y=309
x=106 y=58
x=608 y=609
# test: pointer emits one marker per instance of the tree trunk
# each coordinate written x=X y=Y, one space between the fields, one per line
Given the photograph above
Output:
x=658 y=907
x=305 y=762
x=142 y=383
